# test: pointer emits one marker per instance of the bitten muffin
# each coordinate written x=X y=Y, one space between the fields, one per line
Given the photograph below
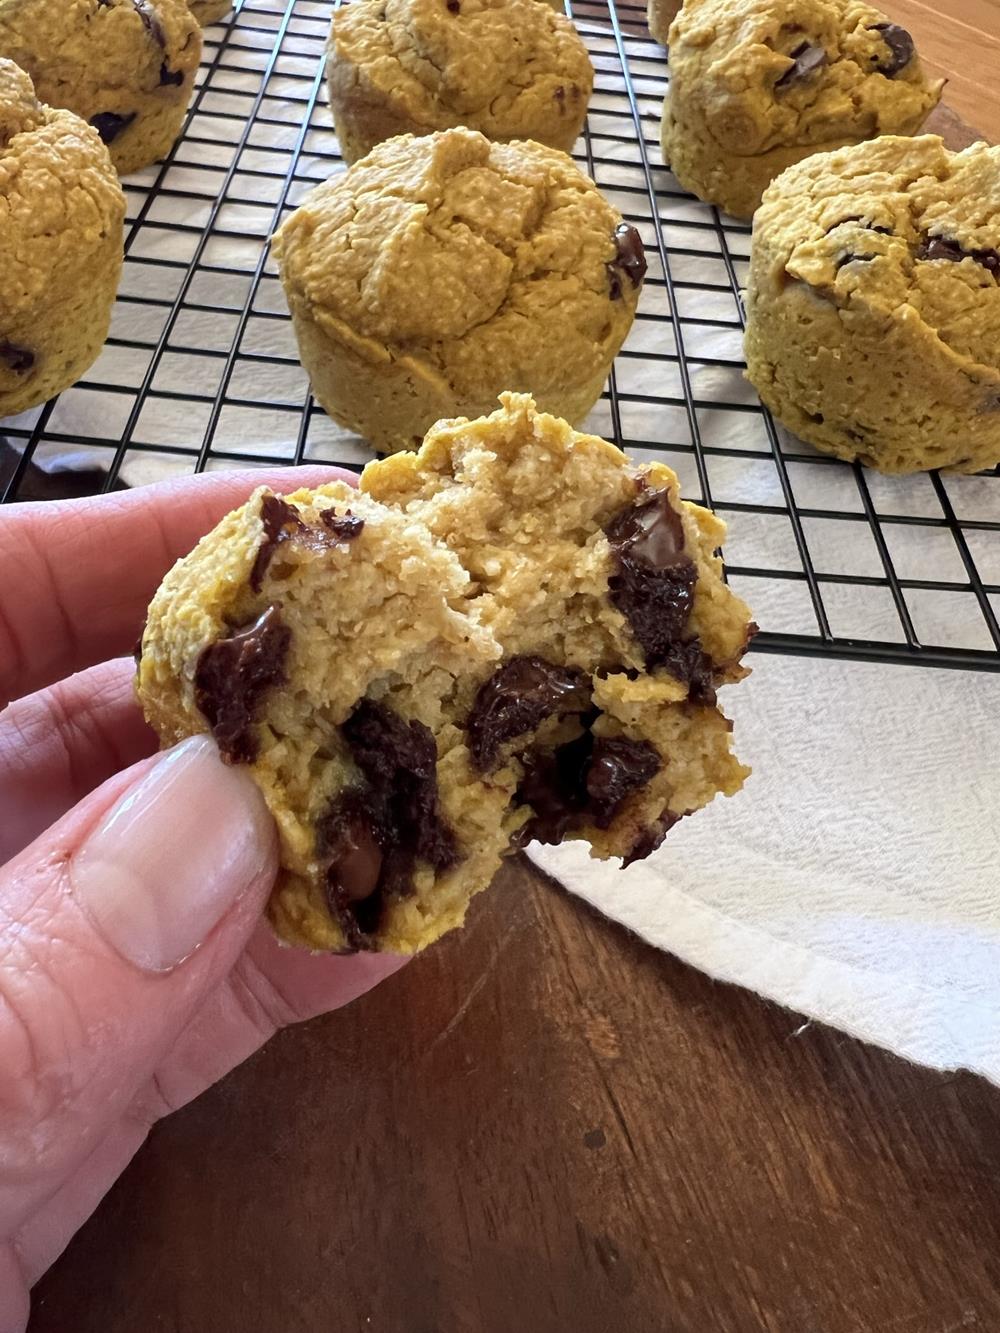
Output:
x=440 y=271
x=209 y=11
x=60 y=245
x=659 y=16
x=512 y=635
x=512 y=69
x=873 y=304
x=757 y=85
x=125 y=66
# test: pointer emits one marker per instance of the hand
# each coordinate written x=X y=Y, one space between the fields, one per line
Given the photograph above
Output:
x=135 y=969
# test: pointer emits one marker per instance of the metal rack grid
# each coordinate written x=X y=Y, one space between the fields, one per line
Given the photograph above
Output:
x=201 y=371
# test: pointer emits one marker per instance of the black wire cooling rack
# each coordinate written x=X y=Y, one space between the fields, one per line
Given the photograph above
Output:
x=201 y=371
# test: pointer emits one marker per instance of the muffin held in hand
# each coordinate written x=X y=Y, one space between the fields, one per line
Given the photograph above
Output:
x=440 y=271
x=873 y=304
x=209 y=11
x=512 y=69
x=125 y=66
x=60 y=245
x=757 y=85
x=512 y=635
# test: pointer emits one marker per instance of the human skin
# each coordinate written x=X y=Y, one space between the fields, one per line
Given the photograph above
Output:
x=135 y=970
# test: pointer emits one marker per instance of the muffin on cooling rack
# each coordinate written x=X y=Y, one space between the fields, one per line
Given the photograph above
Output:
x=441 y=270
x=757 y=85
x=512 y=69
x=659 y=16
x=60 y=245
x=125 y=66
x=513 y=634
x=873 y=304
x=209 y=11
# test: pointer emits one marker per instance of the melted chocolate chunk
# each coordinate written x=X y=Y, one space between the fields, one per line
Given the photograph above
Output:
x=629 y=261
x=806 y=60
x=283 y=522
x=170 y=78
x=18 y=359
x=232 y=677
x=453 y=6
x=371 y=836
x=653 y=587
x=150 y=22
x=554 y=785
x=852 y=259
x=345 y=527
x=109 y=124
x=399 y=761
x=516 y=699
x=347 y=842
x=939 y=247
x=653 y=836
x=583 y=782
x=687 y=663
x=901 y=49
x=617 y=768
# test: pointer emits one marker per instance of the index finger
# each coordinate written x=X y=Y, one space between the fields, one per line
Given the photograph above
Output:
x=76 y=576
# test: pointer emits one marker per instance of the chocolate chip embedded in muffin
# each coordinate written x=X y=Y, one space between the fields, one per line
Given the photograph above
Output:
x=629 y=260
x=109 y=124
x=18 y=359
x=232 y=677
x=618 y=766
x=653 y=586
x=901 y=49
x=806 y=60
x=516 y=699
x=939 y=247
x=282 y=523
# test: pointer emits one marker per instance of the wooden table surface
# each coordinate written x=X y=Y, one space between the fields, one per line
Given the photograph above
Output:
x=545 y=1126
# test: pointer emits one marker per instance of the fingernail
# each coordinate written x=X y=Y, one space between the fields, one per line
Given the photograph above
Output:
x=166 y=864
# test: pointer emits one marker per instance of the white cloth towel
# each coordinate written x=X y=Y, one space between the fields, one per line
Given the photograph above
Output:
x=856 y=878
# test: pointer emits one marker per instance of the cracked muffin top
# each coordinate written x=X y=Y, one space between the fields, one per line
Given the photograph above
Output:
x=897 y=225
x=451 y=237
x=500 y=66
x=772 y=73
x=58 y=190
x=86 y=53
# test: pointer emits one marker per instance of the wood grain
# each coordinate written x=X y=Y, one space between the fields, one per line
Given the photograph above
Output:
x=960 y=40
x=545 y=1126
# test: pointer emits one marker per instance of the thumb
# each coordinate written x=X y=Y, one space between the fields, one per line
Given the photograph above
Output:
x=114 y=925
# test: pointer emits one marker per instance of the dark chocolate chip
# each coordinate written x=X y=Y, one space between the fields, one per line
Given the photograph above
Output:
x=939 y=247
x=282 y=522
x=18 y=359
x=150 y=22
x=345 y=527
x=232 y=677
x=901 y=49
x=582 y=782
x=852 y=259
x=170 y=78
x=652 y=837
x=516 y=699
x=687 y=663
x=806 y=60
x=109 y=124
x=453 y=6
x=347 y=843
x=653 y=586
x=618 y=767
x=399 y=762
x=629 y=260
